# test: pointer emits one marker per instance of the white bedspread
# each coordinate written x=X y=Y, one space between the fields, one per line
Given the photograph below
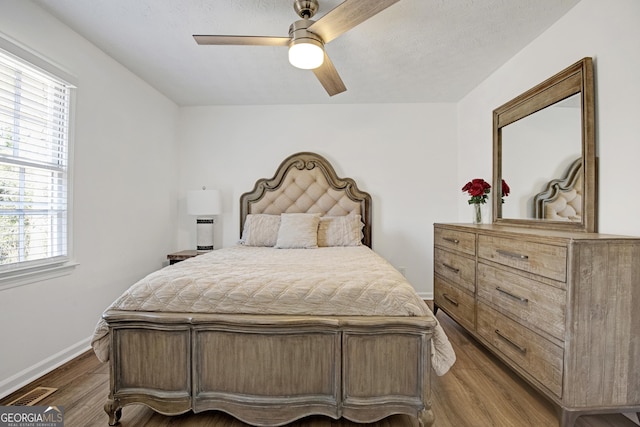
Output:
x=344 y=281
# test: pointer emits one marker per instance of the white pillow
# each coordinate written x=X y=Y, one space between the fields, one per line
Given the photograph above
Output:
x=260 y=230
x=340 y=230
x=298 y=231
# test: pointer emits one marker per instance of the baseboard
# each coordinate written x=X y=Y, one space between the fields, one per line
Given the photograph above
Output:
x=34 y=372
x=428 y=296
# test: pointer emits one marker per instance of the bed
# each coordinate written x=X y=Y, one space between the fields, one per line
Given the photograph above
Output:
x=561 y=200
x=293 y=321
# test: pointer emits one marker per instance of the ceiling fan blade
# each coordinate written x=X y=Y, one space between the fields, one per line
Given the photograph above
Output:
x=329 y=77
x=347 y=15
x=242 y=40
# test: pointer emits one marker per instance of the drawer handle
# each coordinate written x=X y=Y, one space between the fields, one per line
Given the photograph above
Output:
x=451 y=240
x=521 y=349
x=450 y=267
x=524 y=300
x=451 y=300
x=512 y=254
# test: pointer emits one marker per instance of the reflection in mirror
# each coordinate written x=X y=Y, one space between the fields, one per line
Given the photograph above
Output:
x=544 y=149
x=562 y=198
x=536 y=150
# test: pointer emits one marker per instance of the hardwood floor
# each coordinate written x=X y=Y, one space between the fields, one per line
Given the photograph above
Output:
x=479 y=391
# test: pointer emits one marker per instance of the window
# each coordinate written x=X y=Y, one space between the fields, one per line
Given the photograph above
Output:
x=34 y=167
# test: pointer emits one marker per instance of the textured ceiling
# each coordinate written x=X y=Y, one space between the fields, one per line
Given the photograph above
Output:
x=414 y=51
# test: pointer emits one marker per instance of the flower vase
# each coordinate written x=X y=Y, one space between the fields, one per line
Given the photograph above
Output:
x=477 y=213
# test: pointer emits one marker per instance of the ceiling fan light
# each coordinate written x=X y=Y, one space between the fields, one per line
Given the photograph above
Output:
x=306 y=54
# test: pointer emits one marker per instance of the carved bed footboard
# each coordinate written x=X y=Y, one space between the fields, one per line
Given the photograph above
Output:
x=271 y=370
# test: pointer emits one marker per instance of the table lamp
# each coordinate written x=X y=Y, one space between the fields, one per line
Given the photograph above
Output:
x=204 y=204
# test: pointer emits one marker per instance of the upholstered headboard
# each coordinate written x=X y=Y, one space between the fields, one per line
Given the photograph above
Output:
x=562 y=198
x=307 y=183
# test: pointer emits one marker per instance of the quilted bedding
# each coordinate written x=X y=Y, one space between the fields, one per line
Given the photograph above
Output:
x=344 y=281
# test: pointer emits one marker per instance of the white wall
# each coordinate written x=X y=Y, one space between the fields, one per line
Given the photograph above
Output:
x=608 y=32
x=124 y=191
x=402 y=154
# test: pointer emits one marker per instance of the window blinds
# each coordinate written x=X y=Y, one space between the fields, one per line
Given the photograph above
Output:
x=34 y=130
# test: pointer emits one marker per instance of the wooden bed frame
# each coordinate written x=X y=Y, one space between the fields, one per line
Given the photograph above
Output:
x=269 y=370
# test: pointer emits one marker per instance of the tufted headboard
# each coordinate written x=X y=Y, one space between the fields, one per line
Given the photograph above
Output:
x=307 y=183
x=562 y=199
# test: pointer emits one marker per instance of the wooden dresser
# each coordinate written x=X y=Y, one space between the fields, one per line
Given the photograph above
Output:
x=562 y=309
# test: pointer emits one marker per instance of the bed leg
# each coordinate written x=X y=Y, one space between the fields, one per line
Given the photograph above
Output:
x=113 y=409
x=568 y=418
x=425 y=417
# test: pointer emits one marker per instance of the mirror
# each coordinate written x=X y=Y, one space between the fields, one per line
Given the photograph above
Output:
x=544 y=149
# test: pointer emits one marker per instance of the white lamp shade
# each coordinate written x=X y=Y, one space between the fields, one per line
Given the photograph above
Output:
x=306 y=55
x=203 y=202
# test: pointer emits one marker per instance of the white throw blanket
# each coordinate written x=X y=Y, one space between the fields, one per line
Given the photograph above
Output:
x=334 y=281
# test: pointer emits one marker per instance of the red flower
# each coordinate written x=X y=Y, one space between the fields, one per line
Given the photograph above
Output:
x=505 y=189
x=478 y=189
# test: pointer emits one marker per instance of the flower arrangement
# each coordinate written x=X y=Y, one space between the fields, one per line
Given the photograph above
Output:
x=478 y=189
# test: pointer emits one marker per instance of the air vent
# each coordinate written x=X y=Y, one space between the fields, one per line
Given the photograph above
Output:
x=34 y=396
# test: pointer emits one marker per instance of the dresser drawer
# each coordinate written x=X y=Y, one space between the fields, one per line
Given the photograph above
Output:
x=457 y=269
x=456 y=240
x=536 y=304
x=537 y=258
x=539 y=357
x=457 y=303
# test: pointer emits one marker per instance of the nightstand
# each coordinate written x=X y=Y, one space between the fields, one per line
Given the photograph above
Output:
x=182 y=255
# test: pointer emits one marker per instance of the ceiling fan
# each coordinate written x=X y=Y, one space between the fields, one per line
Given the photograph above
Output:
x=307 y=38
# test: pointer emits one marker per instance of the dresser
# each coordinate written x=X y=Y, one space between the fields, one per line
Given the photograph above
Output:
x=562 y=309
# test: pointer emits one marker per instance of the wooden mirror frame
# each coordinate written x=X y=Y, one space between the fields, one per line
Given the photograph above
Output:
x=576 y=79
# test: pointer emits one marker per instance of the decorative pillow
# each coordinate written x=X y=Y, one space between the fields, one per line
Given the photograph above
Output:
x=298 y=231
x=340 y=230
x=260 y=230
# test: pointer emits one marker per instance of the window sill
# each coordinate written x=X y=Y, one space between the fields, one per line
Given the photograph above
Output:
x=25 y=277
